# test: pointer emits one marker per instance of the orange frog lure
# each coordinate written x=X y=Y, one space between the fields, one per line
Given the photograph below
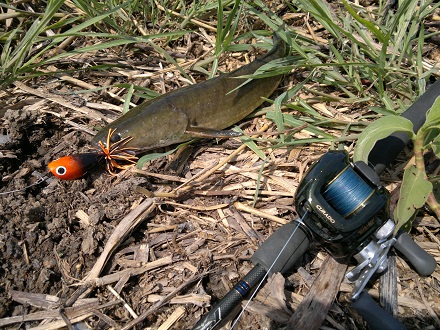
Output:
x=116 y=155
x=74 y=166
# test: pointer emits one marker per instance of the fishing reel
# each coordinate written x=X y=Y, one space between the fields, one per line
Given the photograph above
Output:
x=345 y=207
x=347 y=212
x=345 y=204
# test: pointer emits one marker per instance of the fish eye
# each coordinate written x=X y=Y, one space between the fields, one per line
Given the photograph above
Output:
x=60 y=170
x=115 y=138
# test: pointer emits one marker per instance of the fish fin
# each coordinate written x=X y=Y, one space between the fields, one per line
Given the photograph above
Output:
x=211 y=133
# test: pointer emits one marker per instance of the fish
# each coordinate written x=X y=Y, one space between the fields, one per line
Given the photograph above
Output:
x=203 y=109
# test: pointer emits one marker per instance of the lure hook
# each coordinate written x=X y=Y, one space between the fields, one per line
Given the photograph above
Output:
x=117 y=152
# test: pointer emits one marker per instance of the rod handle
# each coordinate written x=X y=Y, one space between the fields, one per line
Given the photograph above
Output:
x=269 y=254
x=376 y=317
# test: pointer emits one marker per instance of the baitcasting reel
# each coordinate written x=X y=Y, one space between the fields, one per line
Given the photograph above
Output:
x=347 y=212
x=345 y=202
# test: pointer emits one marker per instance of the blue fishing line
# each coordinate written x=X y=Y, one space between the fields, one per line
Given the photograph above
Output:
x=347 y=192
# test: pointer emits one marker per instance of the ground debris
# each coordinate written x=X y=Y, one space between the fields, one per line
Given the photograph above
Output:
x=157 y=247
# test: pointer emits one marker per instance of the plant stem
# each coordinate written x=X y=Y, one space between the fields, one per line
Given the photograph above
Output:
x=420 y=164
x=433 y=204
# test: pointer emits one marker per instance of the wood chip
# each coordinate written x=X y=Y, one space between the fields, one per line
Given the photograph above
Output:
x=245 y=208
x=313 y=309
x=124 y=228
x=177 y=314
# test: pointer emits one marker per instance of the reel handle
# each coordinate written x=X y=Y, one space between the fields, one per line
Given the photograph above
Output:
x=376 y=317
x=386 y=150
x=422 y=261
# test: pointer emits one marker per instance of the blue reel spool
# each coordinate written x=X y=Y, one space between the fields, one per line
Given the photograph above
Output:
x=347 y=192
x=345 y=203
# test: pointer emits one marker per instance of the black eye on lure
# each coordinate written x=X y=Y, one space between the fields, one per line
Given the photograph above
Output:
x=116 y=155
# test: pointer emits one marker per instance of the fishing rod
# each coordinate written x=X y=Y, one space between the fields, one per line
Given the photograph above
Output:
x=343 y=206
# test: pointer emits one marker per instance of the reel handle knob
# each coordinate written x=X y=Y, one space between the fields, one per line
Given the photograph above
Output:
x=376 y=317
x=422 y=261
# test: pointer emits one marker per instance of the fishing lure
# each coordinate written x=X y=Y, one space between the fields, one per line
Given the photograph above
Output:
x=116 y=155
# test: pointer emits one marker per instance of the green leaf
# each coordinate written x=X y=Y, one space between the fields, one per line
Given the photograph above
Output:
x=292 y=121
x=413 y=194
x=429 y=136
x=128 y=99
x=435 y=145
x=378 y=130
x=278 y=115
x=250 y=143
x=433 y=115
x=153 y=156
x=150 y=157
x=38 y=26
x=371 y=26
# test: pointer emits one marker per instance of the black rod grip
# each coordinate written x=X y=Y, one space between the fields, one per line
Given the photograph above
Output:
x=376 y=317
x=271 y=255
x=422 y=261
x=386 y=150
x=277 y=254
x=225 y=306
